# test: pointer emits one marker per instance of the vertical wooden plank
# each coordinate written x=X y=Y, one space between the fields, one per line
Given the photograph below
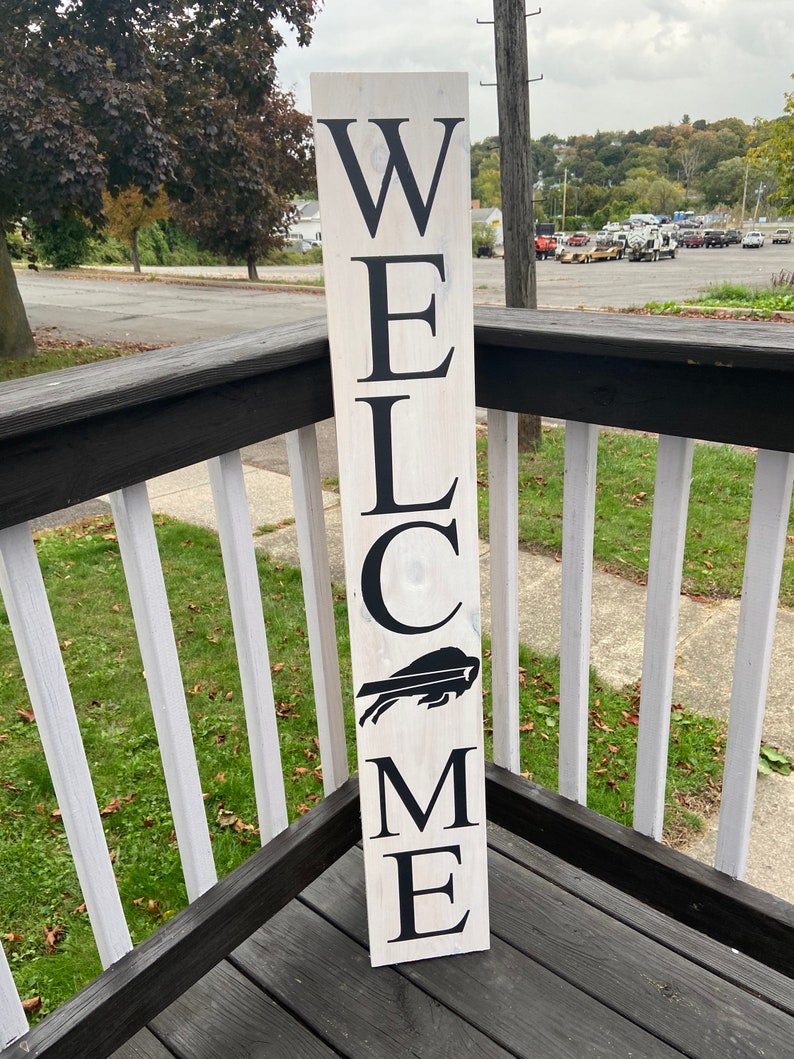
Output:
x=307 y=498
x=42 y=665
x=393 y=174
x=141 y=559
x=245 y=603
x=668 y=536
x=503 y=534
x=766 y=542
x=581 y=449
x=13 y=1021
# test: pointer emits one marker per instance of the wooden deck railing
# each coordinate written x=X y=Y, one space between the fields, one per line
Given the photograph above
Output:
x=107 y=428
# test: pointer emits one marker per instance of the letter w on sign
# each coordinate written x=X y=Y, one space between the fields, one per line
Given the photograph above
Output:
x=393 y=178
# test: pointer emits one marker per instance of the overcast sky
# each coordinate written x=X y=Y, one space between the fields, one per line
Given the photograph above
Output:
x=606 y=64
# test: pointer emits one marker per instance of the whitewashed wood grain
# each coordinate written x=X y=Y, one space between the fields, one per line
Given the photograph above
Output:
x=581 y=448
x=766 y=542
x=245 y=603
x=503 y=536
x=307 y=498
x=48 y=686
x=668 y=537
x=429 y=572
x=13 y=1021
x=144 y=574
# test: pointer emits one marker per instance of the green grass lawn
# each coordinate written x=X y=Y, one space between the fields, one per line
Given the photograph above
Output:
x=48 y=937
x=719 y=509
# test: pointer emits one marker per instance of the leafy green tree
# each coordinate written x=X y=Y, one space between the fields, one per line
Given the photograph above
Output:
x=777 y=152
x=84 y=104
x=723 y=183
x=244 y=152
x=487 y=185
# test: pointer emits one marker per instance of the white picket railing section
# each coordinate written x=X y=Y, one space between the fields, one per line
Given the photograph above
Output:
x=40 y=655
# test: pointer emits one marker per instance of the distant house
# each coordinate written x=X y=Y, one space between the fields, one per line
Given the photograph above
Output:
x=306 y=224
x=490 y=215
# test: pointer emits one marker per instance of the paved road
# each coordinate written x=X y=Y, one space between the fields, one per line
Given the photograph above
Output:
x=154 y=311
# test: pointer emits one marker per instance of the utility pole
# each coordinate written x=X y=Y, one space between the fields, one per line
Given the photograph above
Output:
x=744 y=193
x=564 y=197
x=512 y=94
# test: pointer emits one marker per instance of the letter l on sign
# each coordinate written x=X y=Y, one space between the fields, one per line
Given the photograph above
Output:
x=393 y=178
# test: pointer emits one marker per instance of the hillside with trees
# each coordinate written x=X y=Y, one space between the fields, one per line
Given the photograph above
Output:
x=725 y=167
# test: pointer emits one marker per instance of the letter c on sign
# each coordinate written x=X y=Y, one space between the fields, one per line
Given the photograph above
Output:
x=371 y=589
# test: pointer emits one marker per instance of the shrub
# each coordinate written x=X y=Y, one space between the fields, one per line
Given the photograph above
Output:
x=62 y=243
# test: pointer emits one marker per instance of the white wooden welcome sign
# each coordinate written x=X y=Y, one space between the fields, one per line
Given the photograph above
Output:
x=393 y=173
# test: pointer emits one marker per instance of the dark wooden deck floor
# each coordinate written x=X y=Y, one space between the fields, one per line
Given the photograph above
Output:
x=577 y=968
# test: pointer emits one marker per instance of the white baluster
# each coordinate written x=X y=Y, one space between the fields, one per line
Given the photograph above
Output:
x=40 y=655
x=245 y=602
x=581 y=448
x=138 y=545
x=13 y=1022
x=668 y=537
x=503 y=534
x=766 y=542
x=307 y=497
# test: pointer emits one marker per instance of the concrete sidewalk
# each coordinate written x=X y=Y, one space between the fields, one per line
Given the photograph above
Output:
x=707 y=634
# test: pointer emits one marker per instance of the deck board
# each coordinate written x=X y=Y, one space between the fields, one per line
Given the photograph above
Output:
x=576 y=969
x=290 y=957
x=225 y=1014
x=526 y=1008
x=144 y=1045
x=734 y=966
x=666 y=993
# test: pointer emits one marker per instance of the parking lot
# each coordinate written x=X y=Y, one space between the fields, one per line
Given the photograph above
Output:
x=625 y=284
x=104 y=309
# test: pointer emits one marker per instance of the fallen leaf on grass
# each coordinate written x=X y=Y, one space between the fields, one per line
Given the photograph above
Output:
x=31 y=1005
x=28 y=716
x=113 y=806
x=52 y=935
x=14 y=937
x=147 y=904
x=79 y=910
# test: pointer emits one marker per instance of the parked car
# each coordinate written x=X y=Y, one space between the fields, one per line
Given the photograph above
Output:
x=691 y=239
x=753 y=241
x=782 y=235
x=714 y=237
x=578 y=239
x=300 y=246
x=732 y=236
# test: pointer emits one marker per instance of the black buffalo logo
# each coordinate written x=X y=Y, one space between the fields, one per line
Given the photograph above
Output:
x=435 y=676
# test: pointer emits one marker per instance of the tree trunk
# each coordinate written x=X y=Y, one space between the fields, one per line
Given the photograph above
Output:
x=512 y=89
x=16 y=338
x=252 y=273
x=136 y=261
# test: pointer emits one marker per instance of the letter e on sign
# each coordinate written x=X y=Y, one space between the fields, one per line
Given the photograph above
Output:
x=393 y=178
